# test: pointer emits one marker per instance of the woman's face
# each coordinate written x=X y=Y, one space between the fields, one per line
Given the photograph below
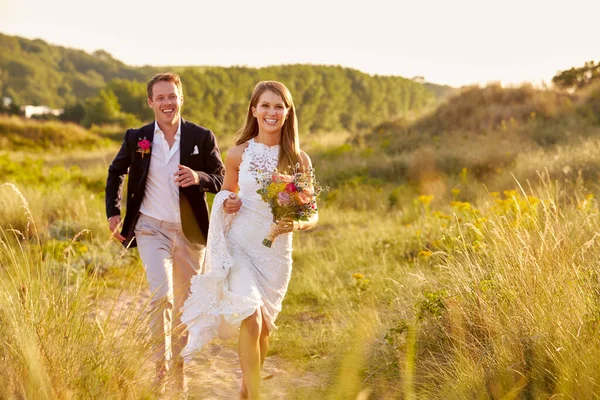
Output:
x=270 y=112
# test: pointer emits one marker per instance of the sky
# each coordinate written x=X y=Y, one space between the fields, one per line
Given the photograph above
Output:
x=456 y=42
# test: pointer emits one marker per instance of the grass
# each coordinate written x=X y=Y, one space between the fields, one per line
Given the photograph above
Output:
x=53 y=338
x=464 y=267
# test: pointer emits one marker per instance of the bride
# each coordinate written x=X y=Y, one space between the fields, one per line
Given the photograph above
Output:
x=244 y=282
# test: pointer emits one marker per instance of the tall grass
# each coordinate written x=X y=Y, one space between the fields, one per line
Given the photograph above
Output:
x=54 y=343
x=24 y=134
x=509 y=307
x=431 y=274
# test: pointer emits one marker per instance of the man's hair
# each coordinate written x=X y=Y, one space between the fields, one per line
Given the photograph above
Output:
x=167 y=77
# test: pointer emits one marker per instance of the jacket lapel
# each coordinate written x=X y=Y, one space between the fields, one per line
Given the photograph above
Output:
x=187 y=143
x=148 y=133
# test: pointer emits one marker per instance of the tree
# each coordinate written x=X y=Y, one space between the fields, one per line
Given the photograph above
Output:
x=132 y=97
x=74 y=113
x=102 y=109
x=578 y=78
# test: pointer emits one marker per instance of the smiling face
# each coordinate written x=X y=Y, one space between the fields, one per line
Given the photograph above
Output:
x=270 y=112
x=166 y=102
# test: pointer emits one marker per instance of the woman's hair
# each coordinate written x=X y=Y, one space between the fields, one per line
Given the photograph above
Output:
x=289 y=153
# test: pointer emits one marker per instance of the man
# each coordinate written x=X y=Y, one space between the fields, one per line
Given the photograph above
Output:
x=171 y=163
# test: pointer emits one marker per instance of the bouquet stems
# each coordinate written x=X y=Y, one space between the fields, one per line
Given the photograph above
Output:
x=273 y=232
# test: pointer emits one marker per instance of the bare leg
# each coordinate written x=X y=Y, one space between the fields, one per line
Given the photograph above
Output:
x=264 y=342
x=250 y=355
x=264 y=346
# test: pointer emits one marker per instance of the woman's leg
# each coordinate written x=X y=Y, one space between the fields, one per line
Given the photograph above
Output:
x=249 y=351
x=264 y=342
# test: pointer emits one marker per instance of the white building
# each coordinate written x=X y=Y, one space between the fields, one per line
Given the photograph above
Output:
x=30 y=111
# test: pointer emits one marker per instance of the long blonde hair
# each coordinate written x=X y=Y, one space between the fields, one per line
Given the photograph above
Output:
x=289 y=150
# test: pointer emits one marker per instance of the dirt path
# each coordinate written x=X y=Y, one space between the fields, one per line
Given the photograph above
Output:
x=214 y=373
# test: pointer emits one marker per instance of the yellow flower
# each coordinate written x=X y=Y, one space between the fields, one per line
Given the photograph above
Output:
x=461 y=205
x=274 y=189
x=441 y=215
x=358 y=276
x=425 y=200
x=425 y=254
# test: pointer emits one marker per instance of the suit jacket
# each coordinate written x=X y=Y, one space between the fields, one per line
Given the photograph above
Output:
x=194 y=209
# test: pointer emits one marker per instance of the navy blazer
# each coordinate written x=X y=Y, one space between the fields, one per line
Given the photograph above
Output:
x=207 y=163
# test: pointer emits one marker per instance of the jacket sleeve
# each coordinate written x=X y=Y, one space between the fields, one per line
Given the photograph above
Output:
x=211 y=178
x=116 y=177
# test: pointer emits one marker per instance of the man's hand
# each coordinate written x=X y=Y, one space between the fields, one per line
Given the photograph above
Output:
x=232 y=204
x=114 y=224
x=186 y=176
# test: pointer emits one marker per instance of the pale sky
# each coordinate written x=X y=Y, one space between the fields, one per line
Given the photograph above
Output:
x=453 y=42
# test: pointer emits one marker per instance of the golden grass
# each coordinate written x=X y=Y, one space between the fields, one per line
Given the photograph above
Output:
x=431 y=274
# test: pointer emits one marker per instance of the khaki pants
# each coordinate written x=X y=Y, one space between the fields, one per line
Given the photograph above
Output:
x=171 y=261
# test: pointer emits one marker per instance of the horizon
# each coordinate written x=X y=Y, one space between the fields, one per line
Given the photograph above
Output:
x=456 y=45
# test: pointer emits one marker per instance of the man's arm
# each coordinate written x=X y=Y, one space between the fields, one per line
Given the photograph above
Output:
x=116 y=177
x=211 y=179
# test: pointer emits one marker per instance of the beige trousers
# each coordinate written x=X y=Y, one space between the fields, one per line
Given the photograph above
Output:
x=171 y=261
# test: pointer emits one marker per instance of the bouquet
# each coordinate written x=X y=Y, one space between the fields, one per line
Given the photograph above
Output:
x=293 y=196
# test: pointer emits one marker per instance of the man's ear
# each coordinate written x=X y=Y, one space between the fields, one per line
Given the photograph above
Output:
x=149 y=102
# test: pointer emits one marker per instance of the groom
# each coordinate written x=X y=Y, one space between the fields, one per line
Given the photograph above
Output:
x=171 y=163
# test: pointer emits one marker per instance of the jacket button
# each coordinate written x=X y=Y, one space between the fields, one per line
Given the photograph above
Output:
x=133 y=194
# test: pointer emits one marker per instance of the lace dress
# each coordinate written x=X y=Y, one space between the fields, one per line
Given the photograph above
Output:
x=240 y=274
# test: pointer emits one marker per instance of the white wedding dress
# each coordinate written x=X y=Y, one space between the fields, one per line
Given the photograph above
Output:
x=240 y=273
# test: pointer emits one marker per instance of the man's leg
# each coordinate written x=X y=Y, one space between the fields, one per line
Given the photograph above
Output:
x=155 y=245
x=187 y=261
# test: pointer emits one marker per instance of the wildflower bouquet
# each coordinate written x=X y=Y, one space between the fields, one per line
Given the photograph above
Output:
x=293 y=196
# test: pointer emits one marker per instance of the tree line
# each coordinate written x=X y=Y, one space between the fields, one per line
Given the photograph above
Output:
x=97 y=89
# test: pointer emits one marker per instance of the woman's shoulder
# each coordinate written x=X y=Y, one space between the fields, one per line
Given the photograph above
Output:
x=305 y=159
x=237 y=151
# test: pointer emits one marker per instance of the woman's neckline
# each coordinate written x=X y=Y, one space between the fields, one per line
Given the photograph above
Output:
x=263 y=144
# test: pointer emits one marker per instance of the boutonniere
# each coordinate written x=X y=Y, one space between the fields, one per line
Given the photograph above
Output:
x=144 y=146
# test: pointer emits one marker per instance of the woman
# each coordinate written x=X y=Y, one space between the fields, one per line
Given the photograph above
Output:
x=244 y=282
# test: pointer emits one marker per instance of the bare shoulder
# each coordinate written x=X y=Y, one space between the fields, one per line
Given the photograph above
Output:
x=305 y=159
x=234 y=154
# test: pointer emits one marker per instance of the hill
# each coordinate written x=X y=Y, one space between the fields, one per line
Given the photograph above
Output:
x=327 y=97
x=485 y=129
x=35 y=72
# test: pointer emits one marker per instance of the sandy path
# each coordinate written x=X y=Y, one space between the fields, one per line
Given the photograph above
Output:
x=214 y=373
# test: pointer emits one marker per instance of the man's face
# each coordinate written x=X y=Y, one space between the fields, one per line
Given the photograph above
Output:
x=166 y=102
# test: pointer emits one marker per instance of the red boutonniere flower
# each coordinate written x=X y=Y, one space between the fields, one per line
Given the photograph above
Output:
x=144 y=146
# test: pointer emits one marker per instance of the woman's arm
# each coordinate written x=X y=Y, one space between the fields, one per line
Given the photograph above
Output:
x=312 y=221
x=233 y=159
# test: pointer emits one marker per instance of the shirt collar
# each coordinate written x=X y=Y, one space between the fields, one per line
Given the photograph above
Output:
x=158 y=130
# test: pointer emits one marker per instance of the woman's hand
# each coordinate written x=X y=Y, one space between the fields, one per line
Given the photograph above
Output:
x=287 y=225
x=232 y=204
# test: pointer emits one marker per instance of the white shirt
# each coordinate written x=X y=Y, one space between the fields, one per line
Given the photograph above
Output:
x=161 y=198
